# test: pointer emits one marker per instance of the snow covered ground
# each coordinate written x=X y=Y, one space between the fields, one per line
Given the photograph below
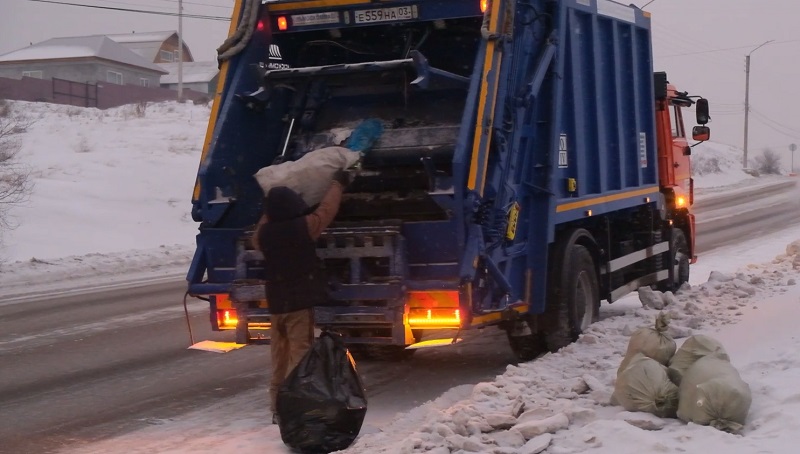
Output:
x=111 y=202
x=111 y=197
x=111 y=206
x=751 y=314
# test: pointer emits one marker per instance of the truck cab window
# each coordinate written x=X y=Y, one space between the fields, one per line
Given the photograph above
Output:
x=676 y=121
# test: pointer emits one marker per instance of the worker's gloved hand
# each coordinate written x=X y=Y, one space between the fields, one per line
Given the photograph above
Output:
x=343 y=177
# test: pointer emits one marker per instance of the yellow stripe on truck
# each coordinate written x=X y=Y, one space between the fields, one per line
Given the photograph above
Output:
x=313 y=4
x=479 y=320
x=223 y=75
x=609 y=198
x=475 y=182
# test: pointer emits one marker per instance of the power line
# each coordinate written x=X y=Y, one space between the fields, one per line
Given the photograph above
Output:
x=771 y=126
x=132 y=4
x=774 y=121
x=680 y=45
x=159 y=13
x=767 y=121
x=728 y=48
x=783 y=133
x=715 y=114
x=198 y=4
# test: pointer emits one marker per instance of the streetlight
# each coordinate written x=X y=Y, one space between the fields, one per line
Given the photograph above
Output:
x=747 y=98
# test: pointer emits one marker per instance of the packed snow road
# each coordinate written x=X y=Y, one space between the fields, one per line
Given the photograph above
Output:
x=80 y=368
x=746 y=213
x=83 y=367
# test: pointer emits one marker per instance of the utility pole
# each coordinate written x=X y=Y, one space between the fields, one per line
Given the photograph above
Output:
x=747 y=98
x=180 y=51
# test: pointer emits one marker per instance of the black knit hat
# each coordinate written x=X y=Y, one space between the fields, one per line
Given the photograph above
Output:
x=283 y=204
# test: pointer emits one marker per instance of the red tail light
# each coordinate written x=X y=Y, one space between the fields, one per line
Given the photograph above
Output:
x=434 y=317
x=226 y=319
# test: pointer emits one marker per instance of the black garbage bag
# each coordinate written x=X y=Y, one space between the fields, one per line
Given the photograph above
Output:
x=321 y=404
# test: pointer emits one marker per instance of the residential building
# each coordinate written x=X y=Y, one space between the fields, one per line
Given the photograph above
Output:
x=85 y=59
x=156 y=47
x=198 y=76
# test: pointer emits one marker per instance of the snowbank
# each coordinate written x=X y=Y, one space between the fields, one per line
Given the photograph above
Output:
x=561 y=401
x=106 y=180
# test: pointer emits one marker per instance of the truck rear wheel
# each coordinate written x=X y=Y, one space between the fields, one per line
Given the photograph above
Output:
x=679 y=258
x=526 y=344
x=574 y=298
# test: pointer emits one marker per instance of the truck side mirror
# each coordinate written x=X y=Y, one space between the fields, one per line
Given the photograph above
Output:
x=701 y=133
x=701 y=109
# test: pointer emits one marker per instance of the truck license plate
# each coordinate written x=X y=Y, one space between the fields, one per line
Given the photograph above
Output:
x=367 y=16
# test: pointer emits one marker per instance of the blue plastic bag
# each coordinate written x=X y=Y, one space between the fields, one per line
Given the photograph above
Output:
x=365 y=135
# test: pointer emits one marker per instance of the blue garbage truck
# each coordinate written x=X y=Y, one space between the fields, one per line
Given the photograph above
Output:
x=531 y=165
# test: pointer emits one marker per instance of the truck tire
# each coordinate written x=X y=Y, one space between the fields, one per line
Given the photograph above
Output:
x=574 y=298
x=526 y=347
x=679 y=258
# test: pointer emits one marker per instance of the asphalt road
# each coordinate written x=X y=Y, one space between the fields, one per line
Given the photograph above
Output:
x=79 y=368
x=728 y=218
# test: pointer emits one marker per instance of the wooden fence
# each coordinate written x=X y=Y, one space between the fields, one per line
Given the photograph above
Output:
x=100 y=95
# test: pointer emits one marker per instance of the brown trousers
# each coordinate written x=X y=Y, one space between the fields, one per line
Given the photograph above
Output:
x=291 y=336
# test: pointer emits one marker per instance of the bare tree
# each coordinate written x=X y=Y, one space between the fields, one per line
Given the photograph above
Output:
x=16 y=184
x=769 y=163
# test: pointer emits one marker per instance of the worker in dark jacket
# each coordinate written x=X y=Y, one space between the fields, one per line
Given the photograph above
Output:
x=296 y=283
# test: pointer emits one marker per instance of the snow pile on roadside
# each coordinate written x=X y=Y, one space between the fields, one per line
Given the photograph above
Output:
x=94 y=270
x=561 y=401
x=105 y=181
x=716 y=164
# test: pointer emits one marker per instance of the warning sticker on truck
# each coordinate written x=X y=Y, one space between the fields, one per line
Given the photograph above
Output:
x=643 y=149
x=563 y=161
x=616 y=10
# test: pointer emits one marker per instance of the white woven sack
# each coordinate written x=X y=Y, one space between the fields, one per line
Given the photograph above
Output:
x=694 y=348
x=644 y=386
x=713 y=394
x=311 y=175
x=653 y=343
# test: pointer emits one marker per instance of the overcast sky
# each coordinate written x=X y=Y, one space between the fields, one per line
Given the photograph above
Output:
x=700 y=43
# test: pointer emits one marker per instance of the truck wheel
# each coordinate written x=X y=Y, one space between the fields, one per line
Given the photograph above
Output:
x=679 y=254
x=526 y=347
x=574 y=300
